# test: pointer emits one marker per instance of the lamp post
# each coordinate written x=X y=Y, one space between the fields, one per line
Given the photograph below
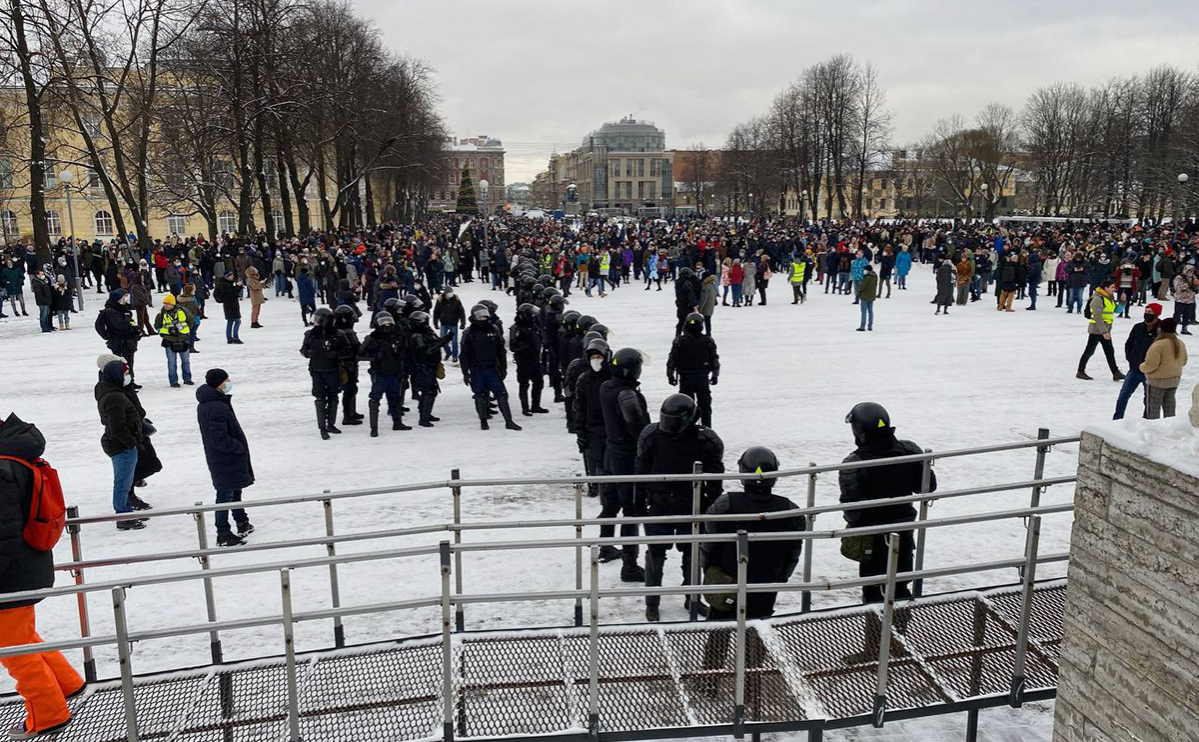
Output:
x=803 y=200
x=1182 y=181
x=66 y=176
x=862 y=205
x=982 y=214
x=483 y=188
x=749 y=206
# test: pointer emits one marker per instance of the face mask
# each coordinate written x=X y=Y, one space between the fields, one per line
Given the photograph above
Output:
x=228 y=388
x=128 y=380
x=597 y=364
x=1151 y=318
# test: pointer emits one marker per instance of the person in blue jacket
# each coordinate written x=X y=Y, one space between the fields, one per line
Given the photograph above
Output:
x=903 y=266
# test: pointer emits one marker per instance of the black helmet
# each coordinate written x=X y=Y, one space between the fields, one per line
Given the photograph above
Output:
x=597 y=346
x=678 y=413
x=345 y=315
x=527 y=281
x=758 y=460
x=413 y=300
x=626 y=364
x=591 y=335
x=480 y=313
x=526 y=313
x=585 y=322
x=538 y=290
x=491 y=306
x=686 y=273
x=695 y=323
x=570 y=319
x=384 y=319
x=546 y=279
x=602 y=330
x=392 y=305
x=322 y=316
x=420 y=318
x=551 y=291
x=866 y=418
x=557 y=302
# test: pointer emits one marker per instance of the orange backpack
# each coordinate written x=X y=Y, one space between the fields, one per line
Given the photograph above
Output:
x=47 y=509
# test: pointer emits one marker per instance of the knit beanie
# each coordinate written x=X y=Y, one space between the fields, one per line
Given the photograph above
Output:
x=215 y=377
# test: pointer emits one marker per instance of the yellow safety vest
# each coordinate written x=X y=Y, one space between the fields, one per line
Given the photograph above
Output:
x=797 y=271
x=1109 y=311
x=606 y=262
x=174 y=324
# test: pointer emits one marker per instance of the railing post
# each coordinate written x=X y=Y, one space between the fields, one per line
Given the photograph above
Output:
x=447 y=649
x=1039 y=470
x=339 y=632
x=884 y=642
x=805 y=604
x=579 y=553
x=696 y=509
x=1032 y=544
x=922 y=534
x=214 y=636
x=123 y=652
x=289 y=648
x=815 y=735
x=593 y=652
x=972 y=725
x=459 y=616
x=85 y=624
x=739 y=668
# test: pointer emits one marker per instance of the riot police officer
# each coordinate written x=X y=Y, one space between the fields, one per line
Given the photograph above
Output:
x=587 y=419
x=344 y=319
x=524 y=337
x=424 y=350
x=484 y=366
x=673 y=445
x=324 y=345
x=386 y=349
x=693 y=360
x=625 y=416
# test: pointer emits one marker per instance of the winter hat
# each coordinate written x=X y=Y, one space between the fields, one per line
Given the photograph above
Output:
x=1155 y=309
x=168 y=299
x=117 y=295
x=105 y=358
x=60 y=278
x=1168 y=325
x=114 y=372
x=215 y=377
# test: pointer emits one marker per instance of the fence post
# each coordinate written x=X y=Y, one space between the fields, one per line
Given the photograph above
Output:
x=1039 y=470
x=123 y=652
x=696 y=509
x=739 y=668
x=805 y=604
x=922 y=534
x=339 y=632
x=214 y=637
x=593 y=658
x=972 y=725
x=579 y=553
x=289 y=648
x=884 y=642
x=1032 y=544
x=459 y=616
x=447 y=653
x=85 y=623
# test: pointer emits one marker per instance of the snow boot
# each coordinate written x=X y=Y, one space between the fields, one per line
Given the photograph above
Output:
x=322 y=418
x=1118 y=376
x=229 y=539
x=331 y=412
x=132 y=524
x=651 y=611
x=524 y=400
x=481 y=409
x=349 y=413
x=397 y=422
x=1082 y=375
x=426 y=409
x=631 y=571
x=506 y=411
x=538 y=387
x=608 y=554
x=138 y=503
x=373 y=408
x=244 y=528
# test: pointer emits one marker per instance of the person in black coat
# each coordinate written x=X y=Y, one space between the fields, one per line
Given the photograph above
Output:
x=386 y=349
x=625 y=416
x=324 y=346
x=449 y=316
x=673 y=445
x=769 y=561
x=587 y=421
x=686 y=298
x=344 y=319
x=43 y=297
x=484 y=365
x=524 y=337
x=120 y=328
x=122 y=436
x=228 y=294
x=876 y=439
x=227 y=453
x=692 y=363
x=45 y=679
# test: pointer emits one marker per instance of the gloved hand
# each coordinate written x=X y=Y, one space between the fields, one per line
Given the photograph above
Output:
x=582 y=441
x=503 y=372
x=672 y=380
x=715 y=378
x=466 y=378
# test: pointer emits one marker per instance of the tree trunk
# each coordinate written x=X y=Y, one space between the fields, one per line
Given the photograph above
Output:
x=37 y=145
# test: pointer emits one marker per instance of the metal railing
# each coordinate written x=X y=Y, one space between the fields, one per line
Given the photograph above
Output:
x=453 y=599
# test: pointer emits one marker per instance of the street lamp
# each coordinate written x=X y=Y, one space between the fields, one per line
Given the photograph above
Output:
x=986 y=200
x=66 y=176
x=749 y=205
x=862 y=205
x=1182 y=181
x=483 y=188
x=803 y=199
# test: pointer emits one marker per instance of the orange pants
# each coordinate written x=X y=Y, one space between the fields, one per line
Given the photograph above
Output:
x=44 y=680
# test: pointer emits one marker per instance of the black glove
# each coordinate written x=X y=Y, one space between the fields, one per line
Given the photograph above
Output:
x=582 y=441
x=715 y=378
x=672 y=380
x=466 y=378
x=503 y=371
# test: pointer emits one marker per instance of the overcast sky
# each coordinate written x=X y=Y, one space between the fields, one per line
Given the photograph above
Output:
x=540 y=75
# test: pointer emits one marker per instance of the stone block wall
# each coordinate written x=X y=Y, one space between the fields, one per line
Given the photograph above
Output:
x=1130 y=650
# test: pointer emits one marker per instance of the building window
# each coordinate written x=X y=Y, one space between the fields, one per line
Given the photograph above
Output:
x=483 y=163
x=51 y=174
x=884 y=185
x=641 y=190
x=641 y=168
x=103 y=224
x=8 y=224
x=176 y=224
x=226 y=222
x=94 y=186
x=54 y=224
x=628 y=168
x=91 y=124
x=615 y=168
x=277 y=217
x=882 y=203
x=5 y=175
x=653 y=187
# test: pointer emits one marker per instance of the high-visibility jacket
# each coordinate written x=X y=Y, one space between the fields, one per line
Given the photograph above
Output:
x=173 y=323
x=606 y=262
x=798 y=268
x=1109 y=311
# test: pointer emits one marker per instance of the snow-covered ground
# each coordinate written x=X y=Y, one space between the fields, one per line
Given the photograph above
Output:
x=790 y=374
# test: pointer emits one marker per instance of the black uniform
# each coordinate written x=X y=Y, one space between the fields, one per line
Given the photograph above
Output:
x=625 y=416
x=686 y=299
x=661 y=453
x=570 y=385
x=324 y=346
x=386 y=349
x=349 y=370
x=588 y=416
x=425 y=354
x=524 y=338
x=484 y=367
x=693 y=360
x=883 y=482
x=551 y=320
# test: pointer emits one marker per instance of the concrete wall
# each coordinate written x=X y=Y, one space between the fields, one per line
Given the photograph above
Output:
x=1130 y=650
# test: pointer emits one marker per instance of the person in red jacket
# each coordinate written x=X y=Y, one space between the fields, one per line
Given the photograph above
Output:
x=45 y=680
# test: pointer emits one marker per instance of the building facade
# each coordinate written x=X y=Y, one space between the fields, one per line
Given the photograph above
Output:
x=483 y=157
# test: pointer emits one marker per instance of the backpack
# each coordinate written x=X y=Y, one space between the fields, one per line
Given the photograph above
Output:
x=47 y=509
x=102 y=328
x=1086 y=309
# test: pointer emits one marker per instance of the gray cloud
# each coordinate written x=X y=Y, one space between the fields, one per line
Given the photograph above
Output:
x=540 y=74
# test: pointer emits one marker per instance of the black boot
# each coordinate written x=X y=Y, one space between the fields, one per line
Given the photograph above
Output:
x=373 y=408
x=331 y=416
x=349 y=415
x=397 y=422
x=631 y=571
x=538 y=386
x=506 y=411
x=426 y=410
x=322 y=419
x=524 y=400
x=481 y=409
